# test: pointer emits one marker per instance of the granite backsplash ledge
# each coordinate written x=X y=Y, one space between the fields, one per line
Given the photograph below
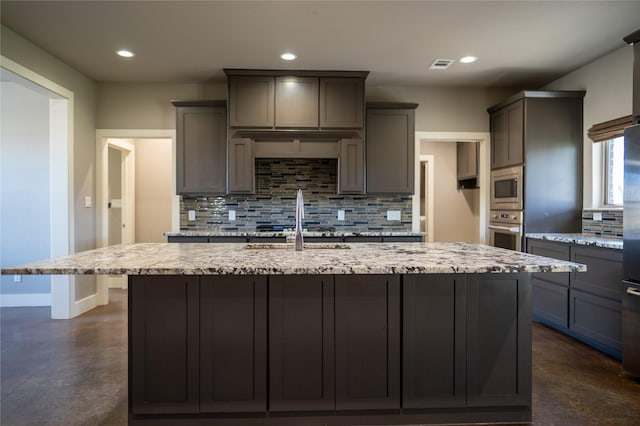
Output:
x=602 y=223
x=274 y=202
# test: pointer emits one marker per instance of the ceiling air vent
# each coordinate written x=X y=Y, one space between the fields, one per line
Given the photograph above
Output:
x=441 y=64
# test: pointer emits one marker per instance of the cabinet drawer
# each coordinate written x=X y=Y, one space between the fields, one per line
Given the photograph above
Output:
x=554 y=250
x=604 y=271
x=186 y=239
x=597 y=318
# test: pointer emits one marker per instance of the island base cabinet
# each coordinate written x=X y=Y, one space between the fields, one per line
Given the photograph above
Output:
x=163 y=344
x=434 y=341
x=499 y=340
x=301 y=343
x=233 y=344
x=367 y=316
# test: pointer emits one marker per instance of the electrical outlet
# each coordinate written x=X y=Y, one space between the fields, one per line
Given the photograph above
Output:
x=597 y=216
x=191 y=215
x=17 y=278
x=232 y=215
x=340 y=214
x=393 y=215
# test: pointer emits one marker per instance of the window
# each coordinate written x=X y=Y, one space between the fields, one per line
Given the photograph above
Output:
x=614 y=171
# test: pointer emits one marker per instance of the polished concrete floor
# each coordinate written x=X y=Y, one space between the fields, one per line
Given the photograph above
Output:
x=59 y=372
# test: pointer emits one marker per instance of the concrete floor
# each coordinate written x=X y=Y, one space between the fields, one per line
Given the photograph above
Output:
x=74 y=372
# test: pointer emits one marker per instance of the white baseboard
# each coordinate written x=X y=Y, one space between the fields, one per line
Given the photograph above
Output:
x=20 y=300
x=84 y=305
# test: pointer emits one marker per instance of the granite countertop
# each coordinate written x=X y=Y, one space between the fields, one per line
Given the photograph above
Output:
x=240 y=259
x=580 y=239
x=285 y=233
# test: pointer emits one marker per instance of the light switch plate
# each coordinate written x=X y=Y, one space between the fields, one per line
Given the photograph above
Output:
x=393 y=215
x=191 y=215
x=232 y=215
x=87 y=201
x=597 y=216
x=340 y=214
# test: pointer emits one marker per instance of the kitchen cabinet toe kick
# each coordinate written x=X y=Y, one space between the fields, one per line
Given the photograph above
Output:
x=330 y=349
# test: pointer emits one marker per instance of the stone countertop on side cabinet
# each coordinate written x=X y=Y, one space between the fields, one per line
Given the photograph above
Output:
x=579 y=239
x=285 y=233
x=239 y=259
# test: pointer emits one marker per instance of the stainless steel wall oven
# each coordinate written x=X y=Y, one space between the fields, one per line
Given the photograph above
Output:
x=505 y=229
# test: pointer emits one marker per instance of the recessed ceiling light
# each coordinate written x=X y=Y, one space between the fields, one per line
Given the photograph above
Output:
x=125 y=53
x=288 y=56
x=468 y=59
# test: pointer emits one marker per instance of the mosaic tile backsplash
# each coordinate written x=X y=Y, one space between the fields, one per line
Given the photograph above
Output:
x=609 y=227
x=274 y=202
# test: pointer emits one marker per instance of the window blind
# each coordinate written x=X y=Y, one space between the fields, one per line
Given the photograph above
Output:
x=609 y=129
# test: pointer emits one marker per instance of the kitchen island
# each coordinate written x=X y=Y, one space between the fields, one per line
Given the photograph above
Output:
x=374 y=333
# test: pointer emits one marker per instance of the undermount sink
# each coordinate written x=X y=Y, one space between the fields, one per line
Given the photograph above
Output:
x=289 y=246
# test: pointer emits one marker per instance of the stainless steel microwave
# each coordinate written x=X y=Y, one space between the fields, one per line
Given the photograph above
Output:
x=506 y=189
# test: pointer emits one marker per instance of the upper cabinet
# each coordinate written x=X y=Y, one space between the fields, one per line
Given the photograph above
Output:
x=305 y=100
x=341 y=103
x=201 y=147
x=467 y=164
x=390 y=147
x=507 y=131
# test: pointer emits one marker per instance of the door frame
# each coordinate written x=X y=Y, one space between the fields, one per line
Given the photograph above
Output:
x=483 y=138
x=62 y=200
x=428 y=208
x=104 y=139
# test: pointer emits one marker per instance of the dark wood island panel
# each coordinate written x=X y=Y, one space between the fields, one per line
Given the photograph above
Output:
x=330 y=349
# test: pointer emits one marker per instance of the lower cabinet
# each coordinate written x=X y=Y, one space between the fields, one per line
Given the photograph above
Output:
x=585 y=305
x=434 y=343
x=498 y=340
x=367 y=324
x=266 y=348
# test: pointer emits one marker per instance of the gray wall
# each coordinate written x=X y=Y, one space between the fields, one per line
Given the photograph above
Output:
x=24 y=180
x=25 y=53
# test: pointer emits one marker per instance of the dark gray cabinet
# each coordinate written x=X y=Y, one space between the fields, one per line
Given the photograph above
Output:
x=251 y=101
x=507 y=132
x=296 y=102
x=301 y=343
x=164 y=334
x=434 y=341
x=351 y=167
x=201 y=147
x=341 y=103
x=498 y=340
x=367 y=342
x=585 y=305
x=390 y=148
x=242 y=168
x=233 y=344
x=467 y=164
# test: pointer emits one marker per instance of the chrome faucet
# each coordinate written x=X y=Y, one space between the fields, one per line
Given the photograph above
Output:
x=299 y=242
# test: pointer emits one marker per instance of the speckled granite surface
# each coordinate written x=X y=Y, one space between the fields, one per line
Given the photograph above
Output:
x=283 y=234
x=581 y=239
x=238 y=259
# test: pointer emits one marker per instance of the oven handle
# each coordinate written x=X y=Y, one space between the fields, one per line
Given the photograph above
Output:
x=633 y=292
x=512 y=229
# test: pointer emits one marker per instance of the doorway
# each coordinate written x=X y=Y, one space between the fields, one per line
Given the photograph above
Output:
x=136 y=201
x=55 y=186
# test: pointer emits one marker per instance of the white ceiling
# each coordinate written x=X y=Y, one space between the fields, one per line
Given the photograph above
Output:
x=521 y=44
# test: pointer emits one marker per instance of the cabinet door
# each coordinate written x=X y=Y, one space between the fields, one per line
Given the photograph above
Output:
x=434 y=341
x=163 y=344
x=507 y=132
x=297 y=102
x=351 y=168
x=390 y=151
x=301 y=343
x=201 y=150
x=251 y=101
x=241 y=166
x=550 y=289
x=367 y=327
x=467 y=160
x=498 y=340
x=341 y=103
x=597 y=318
x=233 y=344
